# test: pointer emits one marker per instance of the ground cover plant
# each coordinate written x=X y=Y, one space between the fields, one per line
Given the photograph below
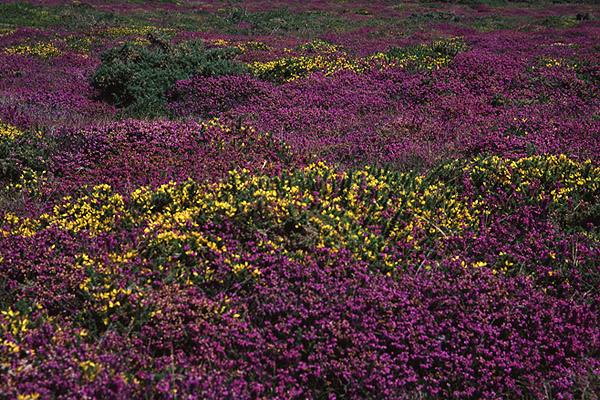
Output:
x=299 y=200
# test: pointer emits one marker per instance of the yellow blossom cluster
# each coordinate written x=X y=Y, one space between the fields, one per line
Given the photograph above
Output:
x=124 y=31
x=537 y=169
x=363 y=211
x=292 y=68
x=252 y=45
x=6 y=31
x=8 y=131
x=90 y=369
x=330 y=59
x=40 y=49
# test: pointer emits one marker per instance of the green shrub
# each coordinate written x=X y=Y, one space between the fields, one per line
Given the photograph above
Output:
x=427 y=56
x=139 y=77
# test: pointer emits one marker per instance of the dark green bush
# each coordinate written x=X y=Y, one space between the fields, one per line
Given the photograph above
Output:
x=138 y=77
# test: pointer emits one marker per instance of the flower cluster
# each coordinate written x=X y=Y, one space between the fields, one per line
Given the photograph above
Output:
x=8 y=131
x=211 y=96
x=407 y=207
x=330 y=59
x=39 y=49
x=321 y=257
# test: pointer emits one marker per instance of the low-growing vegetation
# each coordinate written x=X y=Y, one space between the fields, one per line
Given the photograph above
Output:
x=284 y=200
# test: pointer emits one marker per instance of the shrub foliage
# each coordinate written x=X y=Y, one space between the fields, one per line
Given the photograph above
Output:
x=139 y=77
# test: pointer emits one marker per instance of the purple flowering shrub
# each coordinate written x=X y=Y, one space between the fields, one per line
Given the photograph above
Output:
x=209 y=96
x=299 y=285
x=397 y=202
x=130 y=154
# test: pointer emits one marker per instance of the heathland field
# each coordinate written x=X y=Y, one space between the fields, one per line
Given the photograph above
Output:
x=299 y=199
